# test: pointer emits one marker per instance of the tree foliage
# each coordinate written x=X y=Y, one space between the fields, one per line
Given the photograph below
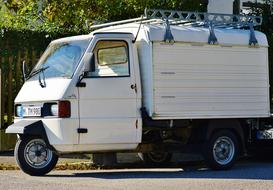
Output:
x=266 y=10
x=73 y=15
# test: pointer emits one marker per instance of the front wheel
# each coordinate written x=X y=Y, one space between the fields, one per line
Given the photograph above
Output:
x=221 y=151
x=34 y=157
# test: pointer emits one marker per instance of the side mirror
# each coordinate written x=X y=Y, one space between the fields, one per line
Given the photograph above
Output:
x=80 y=83
x=89 y=66
x=89 y=62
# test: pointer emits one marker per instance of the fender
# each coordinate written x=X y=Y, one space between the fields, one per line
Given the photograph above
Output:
x=204 y=129
x=233 y=124
x=26 y=128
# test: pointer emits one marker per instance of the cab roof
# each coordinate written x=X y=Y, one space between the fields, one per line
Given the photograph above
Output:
x=188 y=34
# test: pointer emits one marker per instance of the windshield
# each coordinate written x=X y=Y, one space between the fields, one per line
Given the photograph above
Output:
x=60 y=59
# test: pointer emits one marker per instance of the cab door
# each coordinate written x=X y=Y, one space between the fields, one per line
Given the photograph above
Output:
x=107 y=105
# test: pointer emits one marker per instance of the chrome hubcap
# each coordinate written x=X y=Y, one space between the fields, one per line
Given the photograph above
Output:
x=223 y=150
x=37 y=154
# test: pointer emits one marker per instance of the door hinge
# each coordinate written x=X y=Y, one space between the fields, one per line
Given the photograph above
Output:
x=82 y=130
x=136 y=124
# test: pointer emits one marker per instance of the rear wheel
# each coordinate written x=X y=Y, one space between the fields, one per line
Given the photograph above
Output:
x=34 y=157
x=157 y=158
x=221 y=151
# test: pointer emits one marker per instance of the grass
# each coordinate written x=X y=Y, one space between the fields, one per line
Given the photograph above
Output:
x=61 y=166
x=64 y=166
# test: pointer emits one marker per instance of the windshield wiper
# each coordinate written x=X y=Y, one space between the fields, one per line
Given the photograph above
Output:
x=42 y=84
x=37 y=72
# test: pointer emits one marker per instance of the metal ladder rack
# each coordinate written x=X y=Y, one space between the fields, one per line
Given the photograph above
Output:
x=202 y=17
x=197 y=19
x=210 y=20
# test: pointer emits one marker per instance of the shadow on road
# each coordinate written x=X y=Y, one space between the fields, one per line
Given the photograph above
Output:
x=243 y=170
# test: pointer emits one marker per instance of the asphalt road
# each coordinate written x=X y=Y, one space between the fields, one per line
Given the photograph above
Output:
x=251 y=175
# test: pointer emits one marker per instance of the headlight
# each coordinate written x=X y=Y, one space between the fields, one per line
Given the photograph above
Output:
x=19 y=110
x=54 y=109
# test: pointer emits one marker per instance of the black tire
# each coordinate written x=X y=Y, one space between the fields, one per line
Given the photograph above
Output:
x=157 y=158
x=222 y=145
x=22 y=155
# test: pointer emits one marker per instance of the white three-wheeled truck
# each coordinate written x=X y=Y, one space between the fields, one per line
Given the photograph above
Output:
x=168 y=81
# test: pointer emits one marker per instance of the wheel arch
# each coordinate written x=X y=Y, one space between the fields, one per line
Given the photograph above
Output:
x=26 y=129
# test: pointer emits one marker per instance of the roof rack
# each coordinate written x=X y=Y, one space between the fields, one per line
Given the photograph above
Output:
x=210 y=20
x=226 y=19
x=116 y=23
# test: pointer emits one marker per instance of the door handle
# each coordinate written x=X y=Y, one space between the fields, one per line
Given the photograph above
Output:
x=134 y=87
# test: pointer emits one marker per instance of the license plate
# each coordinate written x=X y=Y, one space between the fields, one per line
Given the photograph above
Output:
x=32 y=111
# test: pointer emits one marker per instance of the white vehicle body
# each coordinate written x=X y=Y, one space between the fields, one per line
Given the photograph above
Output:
x=187 y=81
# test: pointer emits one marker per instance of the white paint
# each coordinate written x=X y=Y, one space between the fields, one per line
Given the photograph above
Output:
x=94 y=147
x=108 y=106
x=32 y=91
x=209 y=82
x=187 y=79
x=220 y=6
x=72 y=38
x=190 y=34
x=204 y=80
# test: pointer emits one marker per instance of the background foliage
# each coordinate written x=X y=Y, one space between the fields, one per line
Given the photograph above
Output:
x=34 y=23
x=71 y=15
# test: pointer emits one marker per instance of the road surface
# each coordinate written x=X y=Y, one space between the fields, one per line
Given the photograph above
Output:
x=245 y=175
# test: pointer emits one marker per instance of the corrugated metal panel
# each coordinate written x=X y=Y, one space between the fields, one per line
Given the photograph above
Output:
x=209 y=81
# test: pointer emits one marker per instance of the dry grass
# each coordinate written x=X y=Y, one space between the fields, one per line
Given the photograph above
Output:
x=62 y=166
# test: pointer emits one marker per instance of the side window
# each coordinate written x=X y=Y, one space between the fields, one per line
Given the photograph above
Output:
x=111 y=59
